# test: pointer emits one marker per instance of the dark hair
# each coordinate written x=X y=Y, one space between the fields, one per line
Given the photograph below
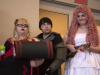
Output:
x=44 y=20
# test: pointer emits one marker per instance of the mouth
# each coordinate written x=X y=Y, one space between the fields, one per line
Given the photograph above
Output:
x=23 y=29
x=81 y=20
x=46 y=29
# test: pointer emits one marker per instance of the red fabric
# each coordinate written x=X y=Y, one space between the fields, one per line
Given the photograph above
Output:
x=25 y=70
x=81 y=50
x=10 y=52
x=0 y=58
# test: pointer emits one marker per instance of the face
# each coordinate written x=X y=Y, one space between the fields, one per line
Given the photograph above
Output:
x=82 y=18
x=21 y=28
x=46 y=28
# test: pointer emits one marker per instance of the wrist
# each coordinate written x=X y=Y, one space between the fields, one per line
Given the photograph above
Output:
x=49 y=71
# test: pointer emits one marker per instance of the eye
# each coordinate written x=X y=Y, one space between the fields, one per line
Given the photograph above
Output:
x=19 y=25
x=78 y=16
x=25 y=25
x=43 y=24
x=83 y=15
x=48 y=24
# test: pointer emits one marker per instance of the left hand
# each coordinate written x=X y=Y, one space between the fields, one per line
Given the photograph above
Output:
x=85 y=46
x=33 y=63
x=36 y=62
x=48 y=72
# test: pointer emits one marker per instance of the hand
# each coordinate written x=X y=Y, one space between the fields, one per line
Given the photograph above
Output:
x=36 y=62
x=71 y=48
x=33 y=63
x=49 y=71
x=85 y=46
x=39 y=62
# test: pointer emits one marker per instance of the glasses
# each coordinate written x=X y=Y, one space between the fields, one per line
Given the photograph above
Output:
x=23 y=25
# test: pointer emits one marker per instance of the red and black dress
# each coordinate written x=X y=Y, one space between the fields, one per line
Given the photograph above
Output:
x=12 y=66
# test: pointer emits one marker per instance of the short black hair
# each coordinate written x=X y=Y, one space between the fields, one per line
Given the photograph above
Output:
x=44 y=20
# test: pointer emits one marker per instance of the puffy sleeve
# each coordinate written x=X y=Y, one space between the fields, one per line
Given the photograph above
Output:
x=7 y=45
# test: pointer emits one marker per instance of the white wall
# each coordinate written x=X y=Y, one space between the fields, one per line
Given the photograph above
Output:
x=95 y=4
x=13 y=9
x=62 y=9
x=57 y=8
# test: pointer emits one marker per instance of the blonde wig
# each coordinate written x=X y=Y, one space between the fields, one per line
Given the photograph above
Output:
x=21 y=21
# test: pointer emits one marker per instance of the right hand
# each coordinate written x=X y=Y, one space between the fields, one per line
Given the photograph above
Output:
x=71 y=48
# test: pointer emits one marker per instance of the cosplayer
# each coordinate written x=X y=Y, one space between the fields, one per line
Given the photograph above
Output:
x=51 y=66
x=83 y=31
x=9 y=65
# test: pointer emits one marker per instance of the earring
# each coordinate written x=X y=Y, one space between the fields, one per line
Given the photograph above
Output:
x=16 y=35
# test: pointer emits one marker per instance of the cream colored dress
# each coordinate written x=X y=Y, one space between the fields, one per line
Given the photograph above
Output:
x=84 y=62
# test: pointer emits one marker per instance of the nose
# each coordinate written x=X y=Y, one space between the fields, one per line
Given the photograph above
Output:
x=23 y=27
x=46 y=25
x=80 y=17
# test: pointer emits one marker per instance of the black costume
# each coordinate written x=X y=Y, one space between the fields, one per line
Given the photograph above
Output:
x=59 y=55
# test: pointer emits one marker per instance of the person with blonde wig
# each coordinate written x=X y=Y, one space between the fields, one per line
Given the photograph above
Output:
x=9 y=65
x=83 y=40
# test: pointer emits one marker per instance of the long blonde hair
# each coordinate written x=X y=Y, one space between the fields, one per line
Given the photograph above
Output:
x=22 y=21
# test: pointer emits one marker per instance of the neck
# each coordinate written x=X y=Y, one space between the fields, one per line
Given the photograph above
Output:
x=22 y=36
x=83 y=26
x=45 y=35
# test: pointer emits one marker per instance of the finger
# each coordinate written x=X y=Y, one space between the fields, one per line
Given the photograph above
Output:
x=74 y=50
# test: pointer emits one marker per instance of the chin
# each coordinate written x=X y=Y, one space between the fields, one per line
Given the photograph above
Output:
x=22 y=32
x=47 y=32
x=82 y=23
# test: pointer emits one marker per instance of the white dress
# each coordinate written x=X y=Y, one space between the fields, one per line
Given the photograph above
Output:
x=84 y=62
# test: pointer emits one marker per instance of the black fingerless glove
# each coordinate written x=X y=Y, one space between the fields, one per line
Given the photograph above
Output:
x=49 y=72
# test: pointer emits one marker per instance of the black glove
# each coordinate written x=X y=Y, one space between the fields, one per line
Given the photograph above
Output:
x=49 y=72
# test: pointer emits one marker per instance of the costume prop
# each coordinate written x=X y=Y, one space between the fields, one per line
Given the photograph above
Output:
x=29 y=49
x=72 y=54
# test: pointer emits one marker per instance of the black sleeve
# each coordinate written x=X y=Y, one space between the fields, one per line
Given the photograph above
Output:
x=60 y=54
x=7 y=45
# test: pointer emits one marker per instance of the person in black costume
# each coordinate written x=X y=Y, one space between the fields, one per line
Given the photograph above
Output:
x=51 y=66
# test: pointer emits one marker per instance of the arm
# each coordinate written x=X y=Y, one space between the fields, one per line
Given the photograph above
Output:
x=68 y=46
x=36 y=62
x=96 y=49
x=7 y=45
x=60 y=55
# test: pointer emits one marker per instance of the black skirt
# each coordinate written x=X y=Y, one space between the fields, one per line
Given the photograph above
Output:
x=12 y=66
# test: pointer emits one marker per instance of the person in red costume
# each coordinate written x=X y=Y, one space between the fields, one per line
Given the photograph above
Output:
x=9 y=65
